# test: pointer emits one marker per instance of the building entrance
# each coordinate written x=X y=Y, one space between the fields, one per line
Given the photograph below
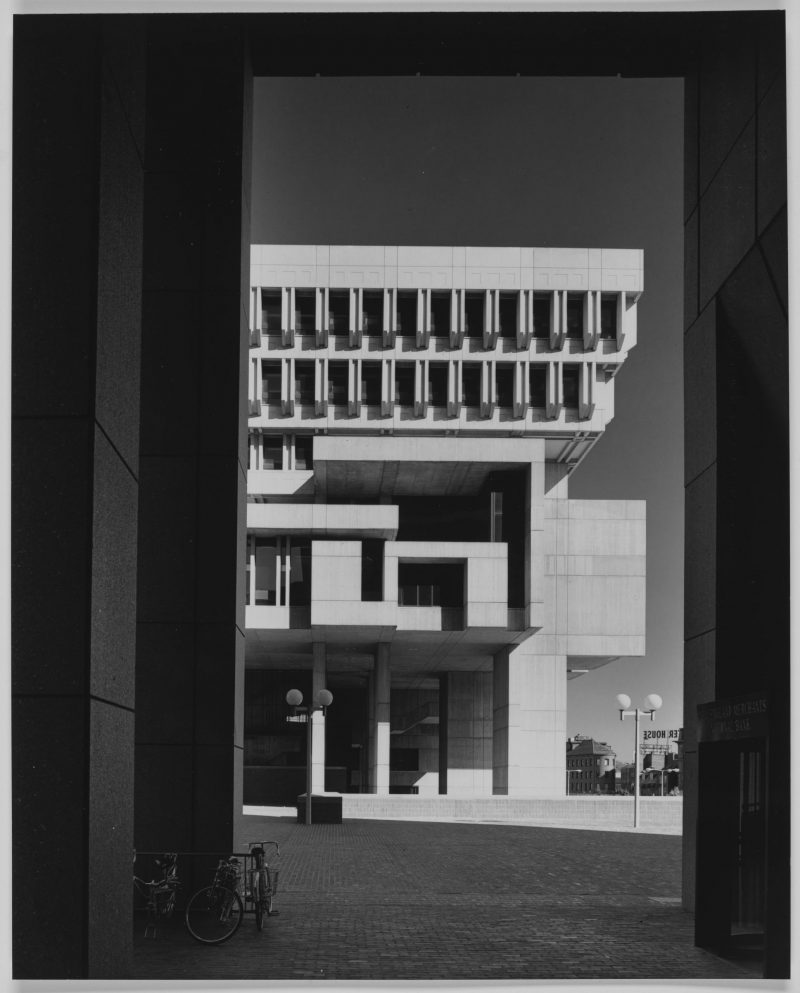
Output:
x=731 y=853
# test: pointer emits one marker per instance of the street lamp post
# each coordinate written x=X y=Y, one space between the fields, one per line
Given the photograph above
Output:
x=322 y=700
x=651 y=704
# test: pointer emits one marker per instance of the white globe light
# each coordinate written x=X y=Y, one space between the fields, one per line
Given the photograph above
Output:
x=294 y=698
x=653 y=702
x=324 y=698
x=624 y=701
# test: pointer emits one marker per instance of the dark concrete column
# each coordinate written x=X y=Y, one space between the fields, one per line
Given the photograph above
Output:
x=736 y=455
x=191 y=566
x=78 y=192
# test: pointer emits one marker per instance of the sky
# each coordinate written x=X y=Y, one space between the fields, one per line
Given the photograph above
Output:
x=569 y=162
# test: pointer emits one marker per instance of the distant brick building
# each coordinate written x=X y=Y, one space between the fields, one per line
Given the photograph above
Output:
x=591 y=766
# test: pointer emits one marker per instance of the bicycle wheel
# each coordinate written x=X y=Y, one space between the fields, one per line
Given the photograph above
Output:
x=266 y=892
x=213 y=914
x=258 y=903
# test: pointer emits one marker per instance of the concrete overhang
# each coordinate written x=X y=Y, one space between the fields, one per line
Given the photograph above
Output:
x=363 y=520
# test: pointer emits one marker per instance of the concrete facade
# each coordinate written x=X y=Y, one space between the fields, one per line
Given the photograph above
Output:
x=72 y=796
x=414 y=415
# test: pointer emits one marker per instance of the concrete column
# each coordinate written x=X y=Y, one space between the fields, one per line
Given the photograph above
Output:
x=530 y=723
x=368 y=786
x=318 y=678
x=465 y=739
x=381 y=699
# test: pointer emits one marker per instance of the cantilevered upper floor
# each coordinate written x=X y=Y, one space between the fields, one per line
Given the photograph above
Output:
x=403 y=339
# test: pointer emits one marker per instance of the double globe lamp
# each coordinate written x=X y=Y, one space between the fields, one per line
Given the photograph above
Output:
x=652 y=703
x=322 y=700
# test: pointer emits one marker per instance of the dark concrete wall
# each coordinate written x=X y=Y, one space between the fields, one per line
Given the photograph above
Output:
x=190 y=631
x=77 y=283
x=736 y=388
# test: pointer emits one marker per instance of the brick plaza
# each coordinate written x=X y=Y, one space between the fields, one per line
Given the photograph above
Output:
x=394 y=900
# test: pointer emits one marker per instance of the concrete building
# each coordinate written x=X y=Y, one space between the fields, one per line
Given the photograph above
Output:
x=415 y=413
x=591 y=766
x=145 y=206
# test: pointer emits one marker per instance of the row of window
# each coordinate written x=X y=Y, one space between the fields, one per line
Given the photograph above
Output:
x=307 y=315
x=370 y=388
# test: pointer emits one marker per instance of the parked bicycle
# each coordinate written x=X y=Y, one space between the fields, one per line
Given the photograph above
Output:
x=160 y=893
x=262 y=882
x=214 y=913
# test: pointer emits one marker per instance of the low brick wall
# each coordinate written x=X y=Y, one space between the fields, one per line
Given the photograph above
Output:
x=666 y=812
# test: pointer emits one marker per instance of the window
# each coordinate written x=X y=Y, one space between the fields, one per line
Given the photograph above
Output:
x=509 y=303
x=267 y=571
x=372 y=312
x=471 y=384
x=404 y=383
x=271 y=382
x=371 y=569
x=300 y=572
x=473 y=314
x=304 y=381
x=608 y=316
x=541 y=315
x=404 y=759
x=272 y=451
x=440 y=313
x=496 y=515
x=505 y=385
x=571 y=383
x=371 y=383
x=574 y=315
x=430 y=584
x=303 y=452
x=437 y=384
x=305 y=311
x=407 y=313
x=337 y=383
x=271 y=311
x=339 y=311
x=538 y=384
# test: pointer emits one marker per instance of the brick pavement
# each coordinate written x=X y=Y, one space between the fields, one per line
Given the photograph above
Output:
x=378 y=900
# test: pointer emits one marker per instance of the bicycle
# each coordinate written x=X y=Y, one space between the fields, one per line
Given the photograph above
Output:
x=214 y=913
x=159 y=893
x=263 y=882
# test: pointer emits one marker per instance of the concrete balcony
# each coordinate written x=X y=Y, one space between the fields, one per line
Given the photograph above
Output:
x=280 y=482
x=366 y=521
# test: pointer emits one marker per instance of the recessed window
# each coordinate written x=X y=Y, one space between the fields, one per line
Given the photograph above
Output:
x=338 y=311
x=404 y=383
x=271 y=311
x=608 y=317
x=267 y=571
x=300 y=572
x=538 y=383
x=541 y=315
x=304 y=452
x=371 y=383
x=574 y=315
x=440 y=313
x=505 y=385
x=474 y=314
x=372 y=312
x=371 y=569
x=272 y=451
x=305 y=311
x=271 y=382
x=471 y=384
x=337 y=383
x=304 y=382
x=430 y=584
x=571 y=383
x=407 y=313
x=437 y=384
x=509 y=310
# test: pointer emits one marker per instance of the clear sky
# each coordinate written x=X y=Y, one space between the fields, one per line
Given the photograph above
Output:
x=569 y=162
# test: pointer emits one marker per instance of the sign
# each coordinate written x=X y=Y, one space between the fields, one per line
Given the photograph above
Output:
x=676 y=734
x=738 y=717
